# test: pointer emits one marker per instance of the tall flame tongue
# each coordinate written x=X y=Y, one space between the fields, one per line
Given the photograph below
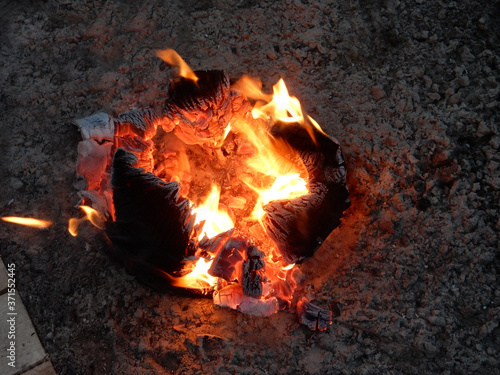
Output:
x=27 y=221
x=271 y=156
x=215 y=220
x=173 y=58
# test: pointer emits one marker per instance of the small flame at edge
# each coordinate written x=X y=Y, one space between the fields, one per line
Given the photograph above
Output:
x=27 y=221
x=174 y=59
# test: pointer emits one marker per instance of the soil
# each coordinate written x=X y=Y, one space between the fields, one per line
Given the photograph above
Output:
x=409 y=88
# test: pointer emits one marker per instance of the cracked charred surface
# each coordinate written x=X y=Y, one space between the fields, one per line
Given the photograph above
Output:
x=409 y=88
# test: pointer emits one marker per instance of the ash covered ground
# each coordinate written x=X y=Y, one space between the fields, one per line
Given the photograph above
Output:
x=409 y=88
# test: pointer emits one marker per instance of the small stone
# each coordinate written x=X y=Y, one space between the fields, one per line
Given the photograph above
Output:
x=378 y=92
x=42 y=181
x=454 y=99
x=16 y=183
x=272 y=55
x=434 y=96
x=464 y=81
x=466 y=55
x=482 y=129
x=143 y=346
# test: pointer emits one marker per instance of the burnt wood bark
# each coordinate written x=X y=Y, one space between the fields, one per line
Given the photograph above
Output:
x=153 y=225
x=314 y=317
x=253 y=272
x=299 y=226
x=199 y=112
x=142 y=123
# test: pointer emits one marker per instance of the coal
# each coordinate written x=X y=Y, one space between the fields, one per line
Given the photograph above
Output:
x=228 y=261
x=299 y=226
x=153 y=224
x=314 y=317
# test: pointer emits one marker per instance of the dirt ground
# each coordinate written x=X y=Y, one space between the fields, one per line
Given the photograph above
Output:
x=409 y=88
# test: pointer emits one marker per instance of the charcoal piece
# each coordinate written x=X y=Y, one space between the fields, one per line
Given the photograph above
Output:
x=299 y=226
x=199 y=112
x=152 y=226
x=228 y=260
x=313 y=316
x=142 y=123
x=253 y=272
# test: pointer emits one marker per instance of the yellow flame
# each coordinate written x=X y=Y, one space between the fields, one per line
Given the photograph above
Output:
x=173 y=58
x=27 y=221
x=282 y=107
x=198 y=278
x=216 y=219
x=284 y=187
x=95 y=217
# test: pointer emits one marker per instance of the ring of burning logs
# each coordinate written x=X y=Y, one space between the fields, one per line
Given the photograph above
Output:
x=152 y=224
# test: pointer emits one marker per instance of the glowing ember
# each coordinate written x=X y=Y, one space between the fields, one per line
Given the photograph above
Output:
x=91 y=215
x=172 y=58
x=27 y=221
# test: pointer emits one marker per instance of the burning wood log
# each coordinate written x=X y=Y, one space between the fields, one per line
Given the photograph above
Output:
x=299 y=226
x=153 y=224
x=313 y=316
x=142 y=123
x=199 y=112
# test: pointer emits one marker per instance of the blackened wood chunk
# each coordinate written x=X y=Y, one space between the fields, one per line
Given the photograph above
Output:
x=228 y=261
x=253 y=272
x=199 y=112
x=313 y=316
x=299 y=226
x=152 y=226
x=139 y=122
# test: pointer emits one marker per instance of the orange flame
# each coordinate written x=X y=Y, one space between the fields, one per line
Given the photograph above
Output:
x=95 y=217
x=216 y=219
x=27 y=221
x=272 y=157
x=198 y=278
x=288 y=186
x=173 y=58
x=280 y=107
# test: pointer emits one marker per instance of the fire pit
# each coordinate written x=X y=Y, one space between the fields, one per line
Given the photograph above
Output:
x=221 y=192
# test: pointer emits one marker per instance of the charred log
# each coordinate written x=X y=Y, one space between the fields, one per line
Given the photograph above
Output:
x=299 y=226
x=152 y=229
x=199 y=112
x=228 y=260
x=253 y=272
x=313 y=316
x=142 y=123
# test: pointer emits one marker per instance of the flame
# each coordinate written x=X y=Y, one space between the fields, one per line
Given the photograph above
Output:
x=198 y=278
x=27 y=221
x=282 y=107
x=95 y=217
x=284 y=187
x=273 y=158
x=172 y=58
x=216 y=220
